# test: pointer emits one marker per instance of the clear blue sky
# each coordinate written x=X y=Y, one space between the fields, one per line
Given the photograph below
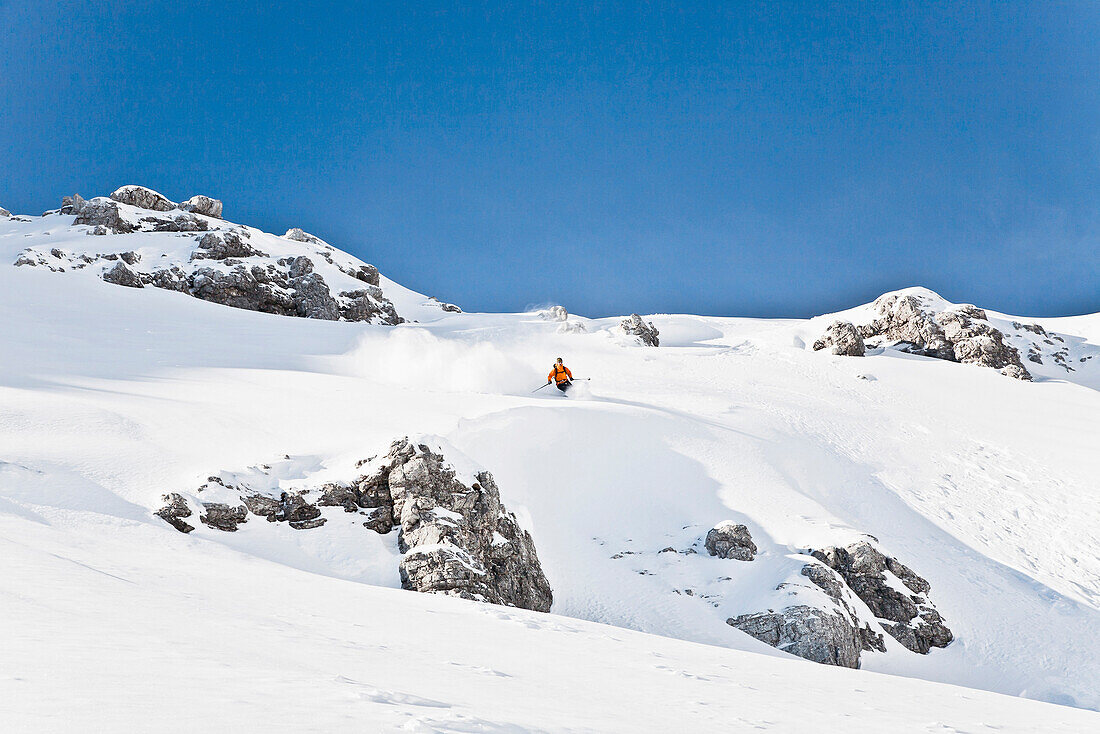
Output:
x=722 y=158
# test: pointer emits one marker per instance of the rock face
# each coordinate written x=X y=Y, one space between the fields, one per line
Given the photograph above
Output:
x=728 y=540
x=455 y=536
x=142 y=198
x=956 y=334
x=226 y=264
x=830 y=631
x=805 y=631
x=842 y=338
x=646 y=332
x=876 y=579
x=204 y=205
x=5 y=213
x=174 y=512
x=120 y=274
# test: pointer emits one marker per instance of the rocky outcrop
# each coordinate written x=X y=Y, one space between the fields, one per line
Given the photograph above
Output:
x=879 y=581
x=224 y=245
x=104 y=216
x=646 y=333
x=121 y=274
x=223 y=517
x=911 y=322
x=728 y=540
x=174 y=512
x=368 y=304
x=72 y=205
x=828 y=631
x=142 y=198
x=298 y=235
x=204 y=205
x=455 y=535
x=5 y=213
x=312 y=299
x=842 y=338
x=808 y=632
x=457 y=538
x=240 y=288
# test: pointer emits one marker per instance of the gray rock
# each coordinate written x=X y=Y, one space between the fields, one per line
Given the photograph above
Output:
x=960 y=334
x=646 y=332
x=842 y=338
x=457 y=539
x=369 y=304
x=909 y=618
x=808 y=632
x=104 y=213
x=204 y=205
x=143 y=198
x=223 y=517
x=5 y=213
x=299 y=235
x=223 y=245
x=172 y=279
x=728 y=540
x=175 y=511
x=240 y=289
x=367 y=273
x=72 y=204
x=311 y=297
x=121 y=274
x=184 y=222
x=300 y=266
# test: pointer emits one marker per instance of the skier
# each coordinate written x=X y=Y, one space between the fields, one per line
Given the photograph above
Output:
x=561 y=375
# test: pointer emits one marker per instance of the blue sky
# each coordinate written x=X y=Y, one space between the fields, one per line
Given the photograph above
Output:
x=730 y=158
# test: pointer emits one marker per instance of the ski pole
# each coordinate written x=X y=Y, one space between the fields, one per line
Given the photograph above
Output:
x=540 y=387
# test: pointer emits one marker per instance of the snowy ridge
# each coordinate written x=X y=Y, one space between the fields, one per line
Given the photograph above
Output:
x=981 y=485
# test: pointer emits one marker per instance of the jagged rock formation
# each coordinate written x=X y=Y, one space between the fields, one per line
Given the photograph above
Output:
x=142 y=198
x=877 y=579
x=223 y=264
x=204 y=205
x=646 y=332
x=5 y=213
x=829 y=631
x=805 y=631
x=455 y=536
x=728 y=540
x=842 y=338
x=957 y=333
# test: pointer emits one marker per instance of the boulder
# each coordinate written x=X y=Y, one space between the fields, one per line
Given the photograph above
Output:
x=223 y=517
x=204 y=205
x=174 y=512
x=183 y=222
x=366 y=273
x=458 y=539
x=311 y=297
x=100 y=212
x=808 y=632
x=728 y=540
x=645 y=332
x=368 y=304
x=300 y=266
x=842 y=338
x=5 y=213
x=298 y=235
x=72 y=204
x=877 y=580
x=121 y=274
x=142 y=198
x=239 y=288
x=222 y=245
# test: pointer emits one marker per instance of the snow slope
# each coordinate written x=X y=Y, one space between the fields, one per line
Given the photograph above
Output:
x=110 y=397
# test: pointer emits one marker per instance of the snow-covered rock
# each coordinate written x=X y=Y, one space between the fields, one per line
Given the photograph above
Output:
x=645 y=332
x=896 y=595
x=730 y=540
x=204 y=205
x=455 y=536
x=294 y=275
x=842 y=338
x=142 y=198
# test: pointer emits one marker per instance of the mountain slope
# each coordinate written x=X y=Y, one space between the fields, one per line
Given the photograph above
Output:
x=111 y=397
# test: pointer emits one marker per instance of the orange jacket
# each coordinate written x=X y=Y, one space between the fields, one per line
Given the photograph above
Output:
x=559 y=374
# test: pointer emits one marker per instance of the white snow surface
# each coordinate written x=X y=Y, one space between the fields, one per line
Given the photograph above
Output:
x=111 y=397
